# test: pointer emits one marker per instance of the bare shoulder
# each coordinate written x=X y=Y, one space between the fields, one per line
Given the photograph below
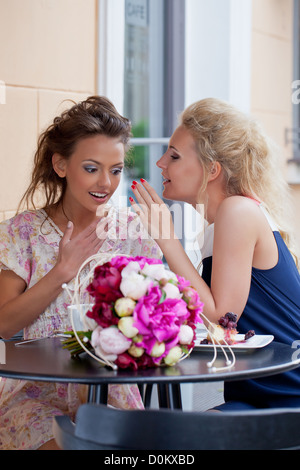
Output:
x=238 y=213
x=238 y=206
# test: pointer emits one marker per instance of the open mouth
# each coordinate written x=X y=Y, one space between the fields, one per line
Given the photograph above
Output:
x=98 y=195
x=166 y=180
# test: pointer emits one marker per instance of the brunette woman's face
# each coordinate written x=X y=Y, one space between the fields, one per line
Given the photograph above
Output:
x=93 y=171
x=181 y=169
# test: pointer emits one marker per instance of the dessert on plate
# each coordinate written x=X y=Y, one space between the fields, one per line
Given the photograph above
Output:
x=225 y=331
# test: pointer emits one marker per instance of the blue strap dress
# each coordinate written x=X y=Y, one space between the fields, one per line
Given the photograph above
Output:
x=273 y=308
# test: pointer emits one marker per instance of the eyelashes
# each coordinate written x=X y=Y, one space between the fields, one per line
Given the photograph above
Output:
x=117 y=171
x=93 y=169
x=90 y=169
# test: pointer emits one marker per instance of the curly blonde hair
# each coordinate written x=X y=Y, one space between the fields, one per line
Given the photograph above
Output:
x=249 y=159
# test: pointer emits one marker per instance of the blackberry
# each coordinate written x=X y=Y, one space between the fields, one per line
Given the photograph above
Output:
x=204 y=341
x=229 y=320
x=231 y=317
x=249 y=334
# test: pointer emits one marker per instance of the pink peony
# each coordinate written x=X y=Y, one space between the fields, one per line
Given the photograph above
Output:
x=182 y=282
x=120 y=262
x=111 y=340
x=106 y=283
x=195 y=306
x=125 y=361
x=105 y=290
x=159 y=322
x=103 y=314
x=191 y=297
x=95 y=342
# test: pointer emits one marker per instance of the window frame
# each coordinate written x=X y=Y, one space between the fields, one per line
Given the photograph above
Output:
x=110 y=71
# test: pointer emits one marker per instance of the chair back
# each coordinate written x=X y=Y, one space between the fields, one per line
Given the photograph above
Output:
x=101 y=427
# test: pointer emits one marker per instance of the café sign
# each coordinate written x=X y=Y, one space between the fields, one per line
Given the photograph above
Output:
x=136 y=12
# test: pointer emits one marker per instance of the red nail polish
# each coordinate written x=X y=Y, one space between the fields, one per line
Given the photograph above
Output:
x=131 y=199
x=133 y=186
x=142 y=180
x=134 y=182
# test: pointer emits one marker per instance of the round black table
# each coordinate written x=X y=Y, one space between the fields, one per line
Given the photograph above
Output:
x=46 y=360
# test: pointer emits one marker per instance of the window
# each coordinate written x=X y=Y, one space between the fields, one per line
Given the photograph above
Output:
x=292 y=135
x=153 y=88
x=158 y=56
x=142 y=44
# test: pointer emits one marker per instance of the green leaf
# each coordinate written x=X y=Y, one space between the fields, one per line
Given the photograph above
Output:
x=163 y=297
x=73 y=346
x=185 y=350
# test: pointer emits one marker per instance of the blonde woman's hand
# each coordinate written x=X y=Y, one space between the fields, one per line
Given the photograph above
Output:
x=74 y=251
x=153 y=212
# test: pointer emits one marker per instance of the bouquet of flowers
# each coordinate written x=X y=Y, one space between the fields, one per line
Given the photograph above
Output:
x=142 y=315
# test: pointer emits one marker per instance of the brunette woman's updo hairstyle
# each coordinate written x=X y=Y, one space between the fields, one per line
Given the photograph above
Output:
x=94 y=116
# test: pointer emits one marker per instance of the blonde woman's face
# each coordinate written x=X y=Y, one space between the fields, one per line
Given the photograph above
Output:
x=181 y=169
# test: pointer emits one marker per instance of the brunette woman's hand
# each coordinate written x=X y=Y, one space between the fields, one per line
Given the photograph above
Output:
x=74 y=251
x=153 y=212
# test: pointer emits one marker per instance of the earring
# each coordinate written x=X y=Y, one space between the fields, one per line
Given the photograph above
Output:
x=213 y=168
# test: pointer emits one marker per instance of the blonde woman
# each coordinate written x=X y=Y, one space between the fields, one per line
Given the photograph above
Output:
x=221 y=159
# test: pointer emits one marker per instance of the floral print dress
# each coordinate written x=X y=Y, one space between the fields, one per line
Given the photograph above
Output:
x=29 y=244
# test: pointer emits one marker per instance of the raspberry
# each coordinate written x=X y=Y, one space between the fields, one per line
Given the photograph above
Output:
x=223 y=321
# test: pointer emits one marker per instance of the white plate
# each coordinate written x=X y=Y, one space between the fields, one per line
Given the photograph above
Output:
x=255 y=342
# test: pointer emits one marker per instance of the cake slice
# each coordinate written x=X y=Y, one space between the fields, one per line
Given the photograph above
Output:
x=225 y=332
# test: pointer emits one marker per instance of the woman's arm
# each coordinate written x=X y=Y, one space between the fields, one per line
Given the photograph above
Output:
x=20 y=307
x=235 y=236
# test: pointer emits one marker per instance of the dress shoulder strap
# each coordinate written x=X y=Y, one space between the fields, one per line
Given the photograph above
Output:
x=266 y=214
x=269 y=218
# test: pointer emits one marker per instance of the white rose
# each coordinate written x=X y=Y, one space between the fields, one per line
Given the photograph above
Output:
x=132 y=266
x=124 y=306
x=172 y=291
x=186 y=334
x=134 y=285
x=158 y=272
